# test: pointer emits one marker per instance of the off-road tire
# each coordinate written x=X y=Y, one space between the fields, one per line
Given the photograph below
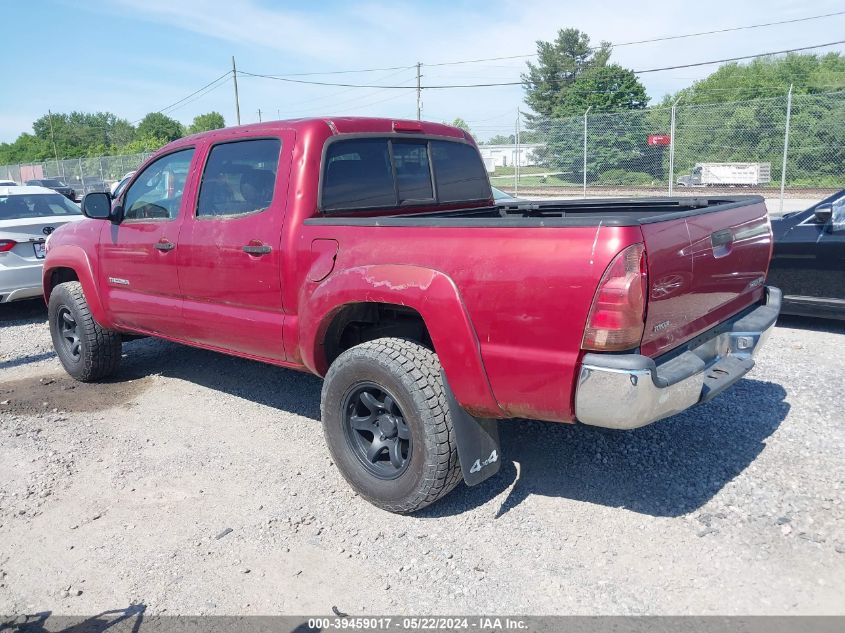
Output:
x=412 y=374
x=99 y=349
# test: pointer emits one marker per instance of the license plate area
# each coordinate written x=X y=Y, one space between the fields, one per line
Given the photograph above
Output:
x=40 y=249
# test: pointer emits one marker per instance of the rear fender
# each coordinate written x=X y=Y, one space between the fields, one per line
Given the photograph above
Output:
x=75 y=258
x=429 y=292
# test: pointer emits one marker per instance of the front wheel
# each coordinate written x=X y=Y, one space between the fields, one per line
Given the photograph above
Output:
x=86 y=350
x=388 y=425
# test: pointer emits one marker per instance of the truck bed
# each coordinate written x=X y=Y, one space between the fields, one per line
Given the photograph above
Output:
x=707 y=256
x=534 y=213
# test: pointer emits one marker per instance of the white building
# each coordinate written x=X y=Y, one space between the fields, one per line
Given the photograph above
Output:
x=506 y=155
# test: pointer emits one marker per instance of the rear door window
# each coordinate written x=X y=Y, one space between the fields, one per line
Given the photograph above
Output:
x=239 y=178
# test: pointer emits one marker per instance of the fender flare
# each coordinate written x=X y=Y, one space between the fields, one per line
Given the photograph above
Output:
x=432 y=294
x=75 y=258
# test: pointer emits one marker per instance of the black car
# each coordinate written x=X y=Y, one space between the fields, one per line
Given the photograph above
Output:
x=808 y=262
x=55 y=184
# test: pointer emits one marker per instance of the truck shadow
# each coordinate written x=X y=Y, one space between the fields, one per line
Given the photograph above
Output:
x=268 y=385
x=667 y=469
x=811 y=324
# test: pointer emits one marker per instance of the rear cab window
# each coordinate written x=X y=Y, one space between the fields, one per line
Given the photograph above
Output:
x=361 y=174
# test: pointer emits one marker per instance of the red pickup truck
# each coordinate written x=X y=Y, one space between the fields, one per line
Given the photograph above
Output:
x=370 y=252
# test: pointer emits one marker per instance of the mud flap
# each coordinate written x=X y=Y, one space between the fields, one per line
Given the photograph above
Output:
x=477 y=439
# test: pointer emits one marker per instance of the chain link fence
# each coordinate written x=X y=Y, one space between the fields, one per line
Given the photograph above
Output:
x=681 y=150
x=83 y=175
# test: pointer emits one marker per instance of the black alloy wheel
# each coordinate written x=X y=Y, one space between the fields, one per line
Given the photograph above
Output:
x=69 y=333
x=377 y=431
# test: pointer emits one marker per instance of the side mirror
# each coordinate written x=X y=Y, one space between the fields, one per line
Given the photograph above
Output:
x=824 y=212
x=97 y=205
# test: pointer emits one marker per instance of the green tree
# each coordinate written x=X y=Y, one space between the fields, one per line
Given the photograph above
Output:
x=26 y=148
x=767 y=77
x=738 y=113
x=206 y=122
x=460 y=123
x=501 y=139
x=160 y=126
x=145 y=144
x=76 y=135
x=603 y=89
x=80 y=134
x=569 y=78
x=559 y=64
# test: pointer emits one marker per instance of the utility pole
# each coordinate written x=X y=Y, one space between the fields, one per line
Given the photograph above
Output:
x=259 y=115
x=53 y=140
x=585 y=149
x=516 y=159
x=785 y=145
x=419 y=93
x=237 y=101
x=672 y=145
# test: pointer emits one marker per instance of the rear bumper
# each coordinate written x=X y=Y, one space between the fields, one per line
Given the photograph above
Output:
x=626 y=391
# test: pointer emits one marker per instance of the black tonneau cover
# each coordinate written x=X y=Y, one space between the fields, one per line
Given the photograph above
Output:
x=578 y=212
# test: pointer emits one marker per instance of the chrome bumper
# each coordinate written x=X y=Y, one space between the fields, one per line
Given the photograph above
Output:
x=626 y=391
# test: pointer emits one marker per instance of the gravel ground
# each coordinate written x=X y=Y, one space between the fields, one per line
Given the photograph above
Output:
x=195 y=483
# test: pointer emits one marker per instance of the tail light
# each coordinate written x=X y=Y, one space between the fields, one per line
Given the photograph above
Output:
x=407 y=126
x=7 y=245
x=617 y=316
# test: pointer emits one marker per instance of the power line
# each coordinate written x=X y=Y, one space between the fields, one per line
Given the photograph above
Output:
x=196 y=98
x=321 y=83
x=728 y=30
x=346 y=72
x=519 y=83
x=736 y=59
x=631 y=43
x=175 y=103
x=331 y=98
x=657 y=39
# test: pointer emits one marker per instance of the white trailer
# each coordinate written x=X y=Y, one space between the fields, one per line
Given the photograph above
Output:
x=727 y=175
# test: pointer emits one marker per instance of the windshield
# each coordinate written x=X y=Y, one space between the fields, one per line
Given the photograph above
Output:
x=53 y=182
x=36 y=205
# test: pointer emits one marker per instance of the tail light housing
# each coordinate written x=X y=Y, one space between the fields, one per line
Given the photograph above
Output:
x=617 y=315
x=407 y=126
x=7 y=245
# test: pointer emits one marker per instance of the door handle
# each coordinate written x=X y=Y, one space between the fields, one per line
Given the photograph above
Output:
x=257 y=249
x=164 y=246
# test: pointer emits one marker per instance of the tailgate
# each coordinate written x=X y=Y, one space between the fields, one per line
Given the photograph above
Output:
x=703 y=269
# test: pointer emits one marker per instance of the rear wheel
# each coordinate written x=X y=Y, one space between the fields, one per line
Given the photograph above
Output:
x=388 y=426
x=86 y=350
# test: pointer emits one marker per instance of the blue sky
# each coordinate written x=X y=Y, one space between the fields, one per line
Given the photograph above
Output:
x=131 y=57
